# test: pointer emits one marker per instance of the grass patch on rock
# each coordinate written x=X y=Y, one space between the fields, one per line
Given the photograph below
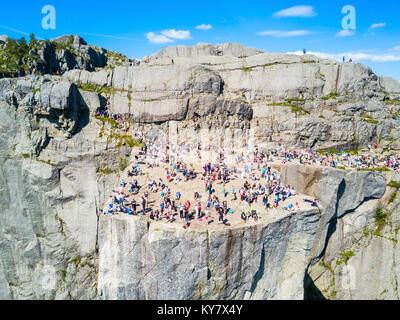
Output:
x=368 y=119
x=106 y=171
x=299 y=111
x=394 y=184
x=345 y=257
x=381 y=218
x=379 y=169
x=95 y=88
x=111 y=121
x=393 y=197
x=332 y=95
x=281 y=104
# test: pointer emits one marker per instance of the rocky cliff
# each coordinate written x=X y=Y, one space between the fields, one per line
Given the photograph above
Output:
x=302 y=101
x=59 y=163
x=55 y=55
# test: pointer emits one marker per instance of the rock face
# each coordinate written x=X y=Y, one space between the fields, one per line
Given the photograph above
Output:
x=205 y=49
x=348 y=191
x=58 y=164
x=301 y=101
x=250 y=262
x=50 y=191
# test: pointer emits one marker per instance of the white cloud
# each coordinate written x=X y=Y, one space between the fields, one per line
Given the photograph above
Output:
x=355 y=56
x=157 y=38
x=397 y=48
x=345 y=33
x=204 y=27
x=168 y=36
x=177 y=34
x=281 y=34
x=377 y=25
x=296 y=11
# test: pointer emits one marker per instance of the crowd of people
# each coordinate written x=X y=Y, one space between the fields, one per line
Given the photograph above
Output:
x=335 y=159
x=257 y=186
x=256 y=191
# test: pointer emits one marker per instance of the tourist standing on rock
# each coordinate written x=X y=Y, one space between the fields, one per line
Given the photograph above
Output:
x=144 y=205
x=198 y=210
x=162 y=207
x=221 y=215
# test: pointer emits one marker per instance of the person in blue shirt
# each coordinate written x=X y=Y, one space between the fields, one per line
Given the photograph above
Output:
x=162 y=207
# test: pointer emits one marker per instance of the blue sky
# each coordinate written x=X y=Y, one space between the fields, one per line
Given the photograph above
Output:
x=137 y=28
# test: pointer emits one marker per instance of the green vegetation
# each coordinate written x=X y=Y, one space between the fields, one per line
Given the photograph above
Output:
x=308 y=61
x=270 y=64
x=369 y=119
x=332 y=95
x=108 y=90
x=379 y=169
x=64 y=46
x=295 y=100
x=326 y=266
x=48 y=162
x=26 y=155
x=334 y=151
x=282 y=104
x=76 y=260
x=123 y=163
x=393 y=197
x=106 y=171
x=15 y=56
x=36 y=90
x=392 y=102
x=111 y=121
x=115 y=58
x=247 y=69
x=299 y=111
x=149 y=100
x=87 y=87
x=123 y=139
x=365 y=116
x=394 y=184
x=345 y=256
x=331 y=286
x=62 y=274
x=381 y=218
x=95 y=88
x=127 y=140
